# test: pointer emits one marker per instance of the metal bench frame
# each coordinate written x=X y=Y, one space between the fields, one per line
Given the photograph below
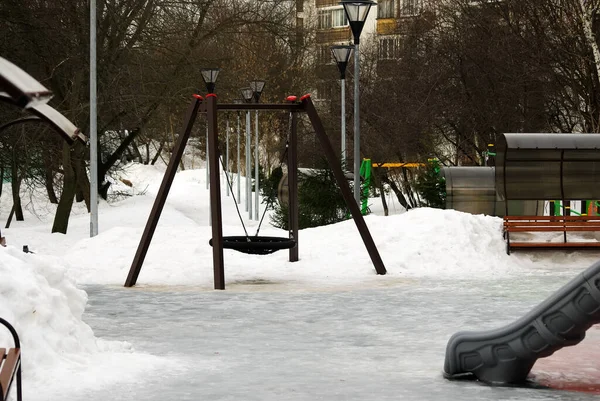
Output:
x=10 y=365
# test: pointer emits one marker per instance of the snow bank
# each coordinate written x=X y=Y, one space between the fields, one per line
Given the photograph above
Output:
x=444 y=244
x=45 y=307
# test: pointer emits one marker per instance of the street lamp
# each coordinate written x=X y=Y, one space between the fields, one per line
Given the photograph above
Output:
x=209 y=76
x=248 y=94
x=257 y=87
x=342 y=54
x=356 y=12
x=239 y=177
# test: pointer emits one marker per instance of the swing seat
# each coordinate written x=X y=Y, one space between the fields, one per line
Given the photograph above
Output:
x=257 y=245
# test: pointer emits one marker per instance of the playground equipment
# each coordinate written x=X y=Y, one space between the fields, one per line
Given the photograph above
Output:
x=365 y=173
x=20 y=89
x=548 y=167
x=210 y=107
x=506 y=355
x=472 y=189
x=590 y=208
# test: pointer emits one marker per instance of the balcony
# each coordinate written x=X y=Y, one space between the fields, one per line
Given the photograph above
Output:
x=388 y=26
x=326 y=3
x=334 y=35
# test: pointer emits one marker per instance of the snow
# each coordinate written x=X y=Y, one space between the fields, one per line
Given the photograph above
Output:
x=324 y=327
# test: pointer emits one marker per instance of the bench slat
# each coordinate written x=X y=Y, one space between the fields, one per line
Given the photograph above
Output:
x=8 y=370
x=555 y=244
x=552 y=218
x=552 y=223
x=552 y=229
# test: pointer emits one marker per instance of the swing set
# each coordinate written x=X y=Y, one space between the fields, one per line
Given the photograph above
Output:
x=249 y=244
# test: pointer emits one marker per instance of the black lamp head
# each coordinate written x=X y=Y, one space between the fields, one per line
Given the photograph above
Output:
x=257 y=87
x=209 y=75
x=247 y=94
x=357 y=12
x=342 y=55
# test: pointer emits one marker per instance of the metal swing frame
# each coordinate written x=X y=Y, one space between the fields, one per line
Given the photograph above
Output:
x=210 y=107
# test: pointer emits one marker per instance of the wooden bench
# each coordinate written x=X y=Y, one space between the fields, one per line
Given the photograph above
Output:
x=10 y=365
x=564 y=224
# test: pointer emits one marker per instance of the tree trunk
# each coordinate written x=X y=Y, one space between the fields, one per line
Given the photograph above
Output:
x=136 y=152
x=16 y=188
x=83 y=183
x=408 y=188
x=49 y=180
x=379 y=185
x=399 y=194
x=63 y=211
x=1 y=179
x=158 y=152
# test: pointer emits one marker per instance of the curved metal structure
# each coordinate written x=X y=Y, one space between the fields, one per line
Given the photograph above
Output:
x=548 y=166
x=471 y=189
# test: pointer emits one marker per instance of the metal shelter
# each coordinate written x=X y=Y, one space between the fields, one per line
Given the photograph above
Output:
x=548 y=166
x=472 y=189
x=210 y=107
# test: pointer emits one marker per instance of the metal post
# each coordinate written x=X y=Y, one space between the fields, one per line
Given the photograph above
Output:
x=93 y=125
x=227 y=156
x=343 y=83
x=356 y=126
x=207 y=161
x=256 y=179
x=215 y=193
x=239 y=176
x=248 y=167
x=293 y=186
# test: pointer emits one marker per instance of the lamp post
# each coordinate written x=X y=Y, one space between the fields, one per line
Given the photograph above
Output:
x=209 y=75
x=248 y=94
x=342 y=54
x=239 y=177
x=356 y=12
x=257 y=87
x=93 y=123
x=227 y=154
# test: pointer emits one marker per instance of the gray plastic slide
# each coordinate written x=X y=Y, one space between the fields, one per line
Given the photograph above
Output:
x=506 y=355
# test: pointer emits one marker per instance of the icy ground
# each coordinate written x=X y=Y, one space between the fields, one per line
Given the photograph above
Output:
x=325 y=327
x=260 y=343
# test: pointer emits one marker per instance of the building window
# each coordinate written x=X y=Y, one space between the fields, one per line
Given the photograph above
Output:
x=324 y=55
x=410 y=7
x=385 y=9
x=333 y=18
x=324 y=19
x=389 y=48
x=339 y=18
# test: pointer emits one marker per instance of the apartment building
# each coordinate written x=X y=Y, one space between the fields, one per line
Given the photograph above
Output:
x=332 y=28
x=392 y=18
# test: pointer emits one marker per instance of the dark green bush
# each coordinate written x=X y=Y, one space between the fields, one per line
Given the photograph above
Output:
x=431 y=185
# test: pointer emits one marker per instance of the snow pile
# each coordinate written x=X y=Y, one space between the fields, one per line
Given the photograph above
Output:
x=444 y=244
x=46 y=308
